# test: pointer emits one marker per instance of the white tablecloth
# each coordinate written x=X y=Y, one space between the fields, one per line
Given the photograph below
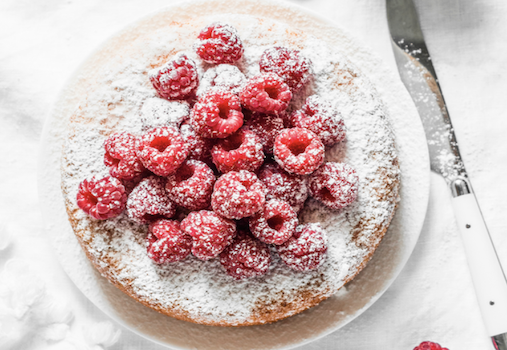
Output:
x=42 y=42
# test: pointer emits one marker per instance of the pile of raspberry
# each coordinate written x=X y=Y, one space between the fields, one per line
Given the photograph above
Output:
x=229 y=181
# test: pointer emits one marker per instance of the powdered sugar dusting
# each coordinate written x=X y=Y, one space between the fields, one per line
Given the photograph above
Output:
x=224 y=76
x=203 y=289
x=157 y=112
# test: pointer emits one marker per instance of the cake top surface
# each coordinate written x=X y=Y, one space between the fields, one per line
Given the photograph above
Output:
x=119 y=97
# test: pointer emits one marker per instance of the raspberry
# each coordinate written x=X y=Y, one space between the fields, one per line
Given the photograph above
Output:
x=281 y=185
x=121 y=157
x=275 y=223
x=191 y=185
x=245 y=257
x=428 y=345
x=200 y=147
x=320 y=117
x=266 y=93
x=294 y=68
x=334 y=184
x=267 y=127
x=219 y=43
x=167 y=243
x=240 y=151
x=223 y=76
x=237 y=195
x=177 y=79
x=149 y=201
x=211 y=233
x=217 y=114
x=162 y=150
x=306 y=249
x=298 y=151
x=101 y=198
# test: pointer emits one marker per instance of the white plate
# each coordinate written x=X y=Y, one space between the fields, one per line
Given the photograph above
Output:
x=323 y=319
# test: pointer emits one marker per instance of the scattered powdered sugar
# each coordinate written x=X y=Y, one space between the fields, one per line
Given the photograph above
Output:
x=158 y=112
x=223 y=75
x=120 y=98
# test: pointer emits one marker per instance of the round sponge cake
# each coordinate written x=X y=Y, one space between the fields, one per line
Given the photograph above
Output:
x=114 y=94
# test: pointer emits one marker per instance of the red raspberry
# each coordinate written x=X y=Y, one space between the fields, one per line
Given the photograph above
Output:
x=275 y=223
x=298 y=151
x=266 y=93
x=167 y=243
x=200 y=147
x=240 y=151
x=245 y=257
x=219 y=43
x=121 y=157
x=149 y=201
x=294 y=68
x=237 y=195
x=334 y=184
x=101 y=198
x=162 y=150
x=177 y=79
x=428 y=345
x=191 y=186
x=322 y=118
x=267 y=127
x=225 y=76
x=281 y=185
x=211 y=233
x=306 y=249
x=217 y=114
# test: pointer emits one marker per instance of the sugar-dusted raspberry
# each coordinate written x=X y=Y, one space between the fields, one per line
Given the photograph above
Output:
x=266 y=93
x=238 y=194
x=191 y=186
x=428 y=345
x=177 y=79
x=166 y=242
x=200 y=147
x=162 y=150
x=225 y=76
x=298 y=151
x=306 y=249
x=149 y=201
x=121 y=157
x=211 y=233
x=283 y=186
x=267 y=127
x=275 y=223
x=101 y=198
x=219 y=43
x=291 y=65
x=334 y=184
x=217 y=114
x=240 y=151
x=322 y=118
x=245 y=257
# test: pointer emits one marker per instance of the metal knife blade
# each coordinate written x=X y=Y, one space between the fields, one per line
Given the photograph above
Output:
x=421 y=80
x=418 y=74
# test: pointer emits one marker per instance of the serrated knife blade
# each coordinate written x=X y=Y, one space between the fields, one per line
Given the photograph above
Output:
x=418 y=74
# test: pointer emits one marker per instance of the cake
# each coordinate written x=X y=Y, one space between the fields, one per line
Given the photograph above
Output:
x=115 y=94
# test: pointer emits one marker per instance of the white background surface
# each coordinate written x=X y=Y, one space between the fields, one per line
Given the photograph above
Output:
x=42 y=42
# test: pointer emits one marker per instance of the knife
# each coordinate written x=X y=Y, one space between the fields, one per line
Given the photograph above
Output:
x=419 y=76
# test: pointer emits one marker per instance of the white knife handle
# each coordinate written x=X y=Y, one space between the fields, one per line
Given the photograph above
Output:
x=487 y=275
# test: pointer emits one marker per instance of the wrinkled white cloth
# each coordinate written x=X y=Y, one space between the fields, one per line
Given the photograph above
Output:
x=42 y=42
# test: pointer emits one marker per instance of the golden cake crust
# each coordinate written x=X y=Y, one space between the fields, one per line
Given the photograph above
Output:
x=109 y=97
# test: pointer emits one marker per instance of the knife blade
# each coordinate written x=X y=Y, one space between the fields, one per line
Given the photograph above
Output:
x=419 y=77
